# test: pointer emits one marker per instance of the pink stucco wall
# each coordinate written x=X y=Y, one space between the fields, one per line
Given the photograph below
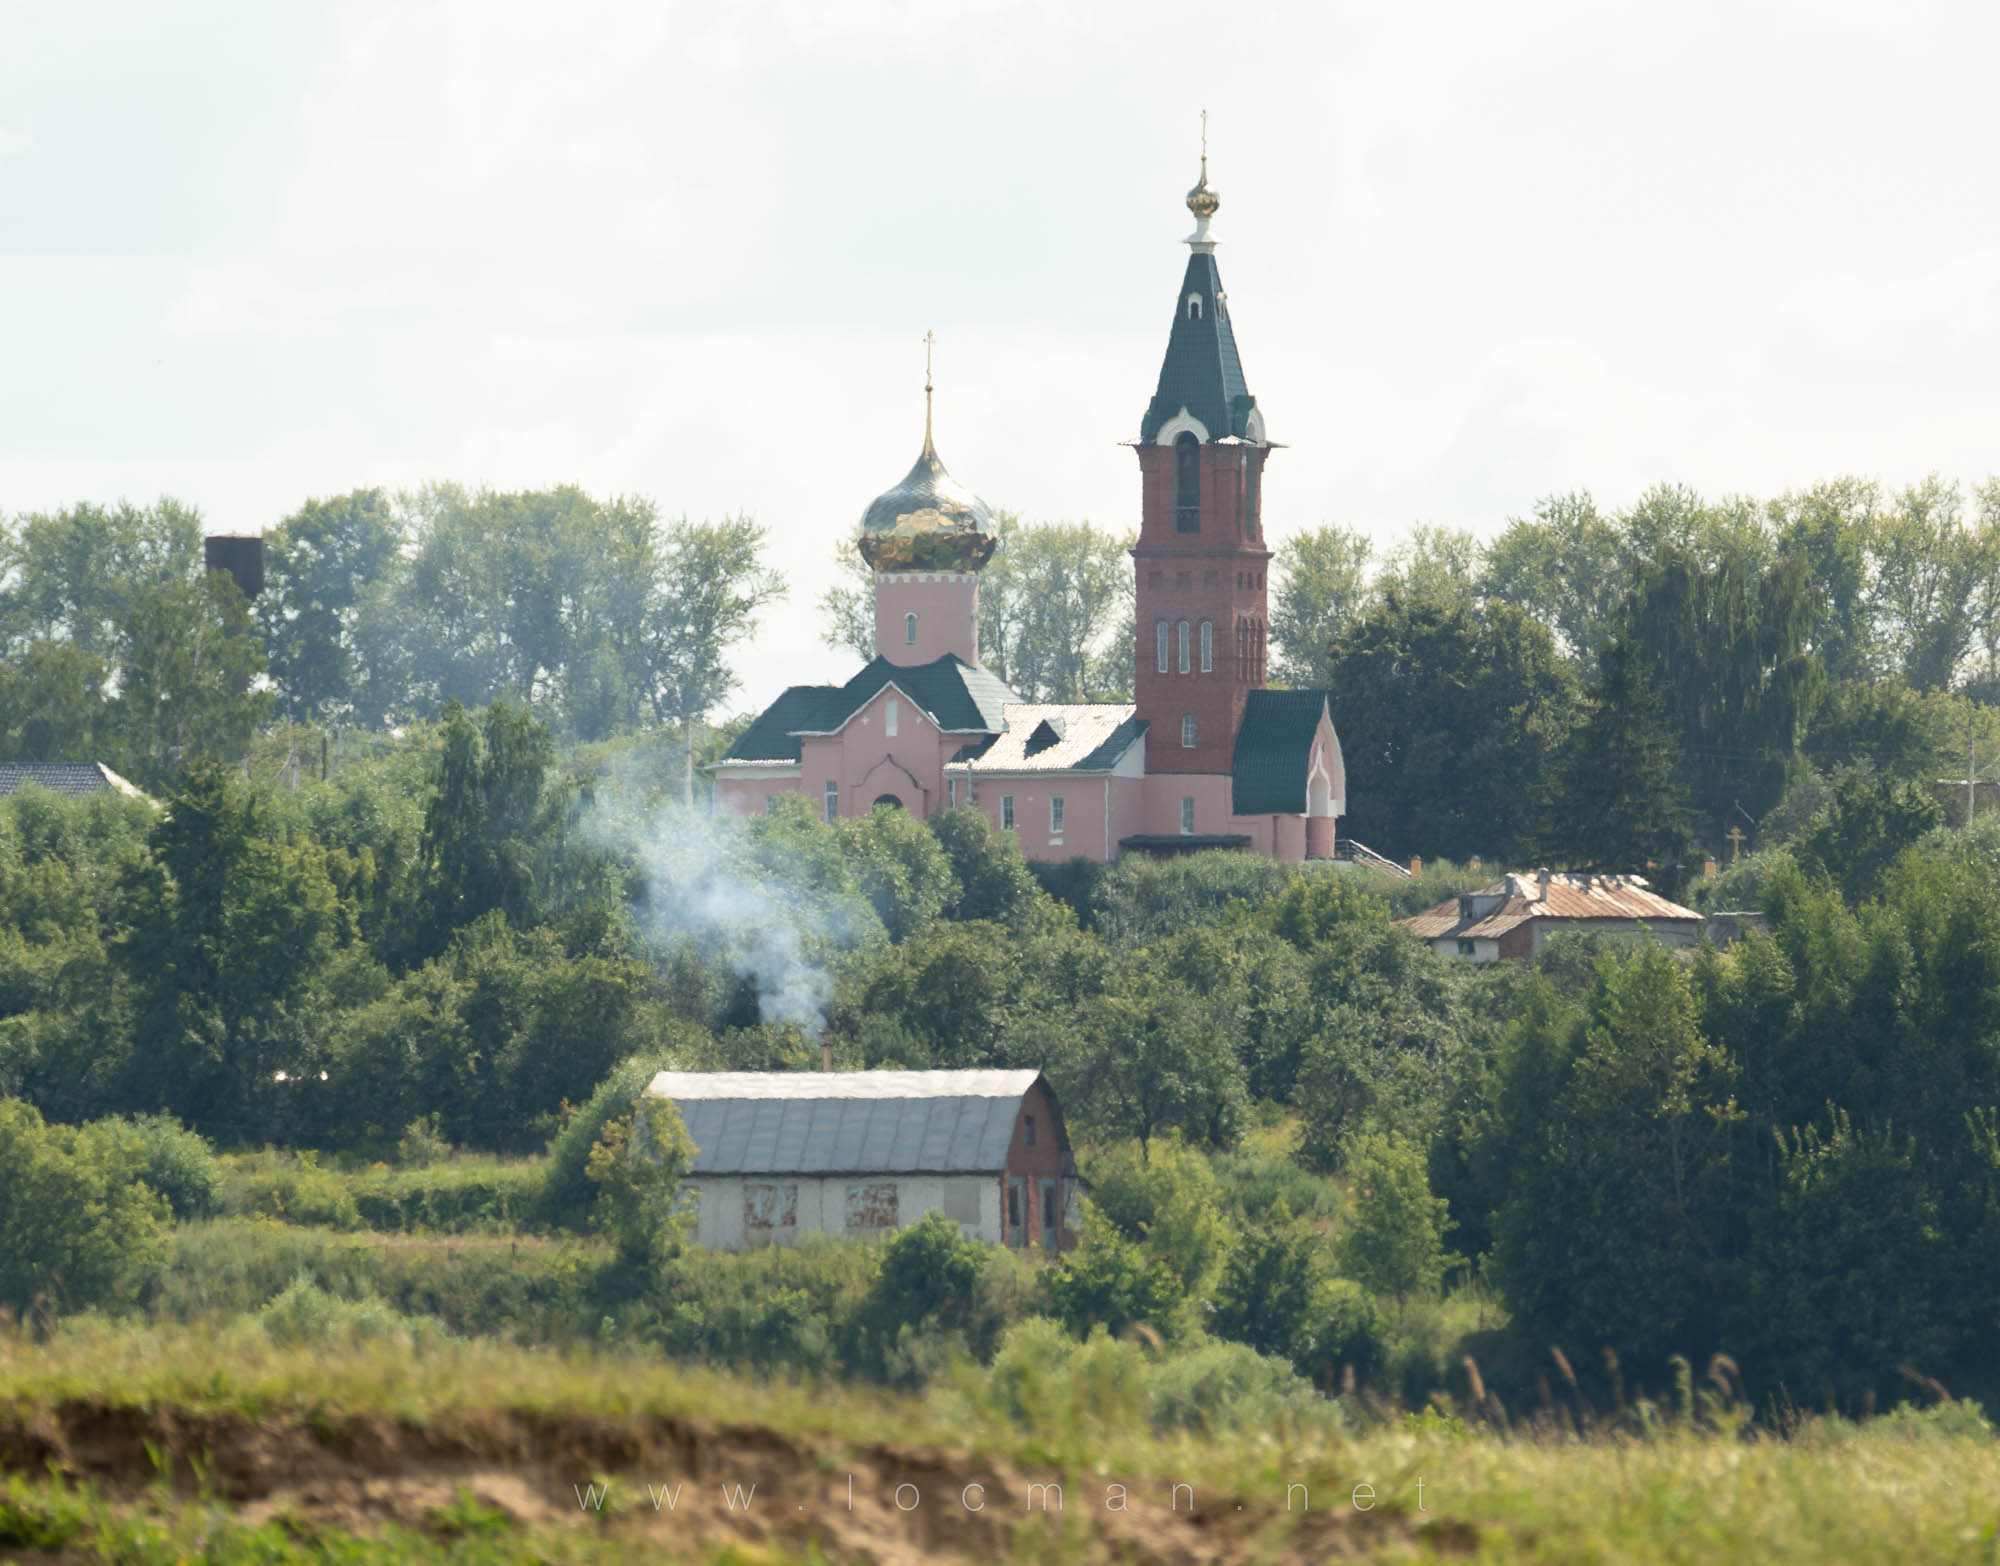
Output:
x=869 y=763
x=946 y=605
x=746 y=796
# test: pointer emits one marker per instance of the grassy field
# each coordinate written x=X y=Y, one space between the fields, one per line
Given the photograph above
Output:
x=162 y=1444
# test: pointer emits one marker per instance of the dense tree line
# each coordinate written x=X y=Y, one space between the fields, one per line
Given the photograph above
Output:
x=1611 y=690
x=1785 y=1151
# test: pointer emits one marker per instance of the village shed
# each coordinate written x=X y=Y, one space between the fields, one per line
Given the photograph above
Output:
x=862 y=1153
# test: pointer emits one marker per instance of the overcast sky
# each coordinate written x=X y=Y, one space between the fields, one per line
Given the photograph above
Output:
x=1476 y=253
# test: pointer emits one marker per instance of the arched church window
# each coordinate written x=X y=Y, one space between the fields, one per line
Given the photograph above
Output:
x=1187 y=483
x=891 y=712
x=1207 y=647
x=1184 y=647
x=1160 y=634
x=910 y=629
x=1251 y=485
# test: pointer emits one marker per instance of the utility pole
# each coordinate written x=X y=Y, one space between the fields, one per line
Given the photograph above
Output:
x=1971 y=768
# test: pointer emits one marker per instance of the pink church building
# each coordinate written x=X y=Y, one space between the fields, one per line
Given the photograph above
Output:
x=1205 y=756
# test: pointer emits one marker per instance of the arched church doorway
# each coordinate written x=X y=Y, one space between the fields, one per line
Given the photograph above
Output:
x=890 y=800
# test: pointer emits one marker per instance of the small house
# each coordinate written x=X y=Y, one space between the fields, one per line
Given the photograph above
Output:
x=1513 y=918
x=862 y=1153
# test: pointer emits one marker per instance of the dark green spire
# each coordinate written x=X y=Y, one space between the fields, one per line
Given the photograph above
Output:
x=1202 y=373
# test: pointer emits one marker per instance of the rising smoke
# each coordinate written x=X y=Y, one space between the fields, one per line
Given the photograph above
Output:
x=715 y=884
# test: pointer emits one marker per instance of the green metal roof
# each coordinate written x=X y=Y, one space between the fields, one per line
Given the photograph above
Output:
x=962 y=698
x=1268 y=772
x=1201 y=372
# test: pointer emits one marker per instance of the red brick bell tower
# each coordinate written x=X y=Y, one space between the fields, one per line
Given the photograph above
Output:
x=1201 y=559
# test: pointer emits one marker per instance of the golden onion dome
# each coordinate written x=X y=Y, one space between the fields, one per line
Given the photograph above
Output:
x=930 y=521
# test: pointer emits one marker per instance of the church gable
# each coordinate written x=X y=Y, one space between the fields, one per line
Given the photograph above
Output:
x=1274 y=763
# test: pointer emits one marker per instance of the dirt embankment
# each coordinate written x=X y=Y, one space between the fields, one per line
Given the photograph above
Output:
x=685 y=1482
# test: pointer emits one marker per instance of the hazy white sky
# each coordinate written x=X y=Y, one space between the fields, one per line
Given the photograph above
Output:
x=1475 y=252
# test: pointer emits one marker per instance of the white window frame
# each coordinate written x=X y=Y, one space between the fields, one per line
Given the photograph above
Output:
x=1208 y=647
x=1188 y=731
x=832 y=801
x=1161 y=635
x=910 y=629
x=1187 y=815
x=1184 y=647
x=1006 y=812
x=892 y=712
x=1055 y=818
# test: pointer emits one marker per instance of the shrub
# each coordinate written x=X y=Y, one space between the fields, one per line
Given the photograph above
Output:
x=636 y=1165
x=567 y=1193
x=305 y=1316
x=291 y=1187
x=422 y=1143
x=76 y=1229
x=173 y=1160
x=465 y=1195
x=1109 y=1282
x=1225 y=1386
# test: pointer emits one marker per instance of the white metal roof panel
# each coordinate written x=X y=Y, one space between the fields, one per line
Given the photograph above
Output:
x=847 y=1122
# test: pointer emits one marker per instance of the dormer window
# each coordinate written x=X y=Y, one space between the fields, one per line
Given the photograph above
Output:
x=1187 y=483
x=910 y=629
x=1194 y=307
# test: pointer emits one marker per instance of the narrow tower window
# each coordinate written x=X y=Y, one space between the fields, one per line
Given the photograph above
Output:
x=1187 y=815
x=1184 y=647
x=1207 y=647
x=1160 y=634
x=910 y=629
x=1187 y=483
x=1187 y=731
x=1251 y=481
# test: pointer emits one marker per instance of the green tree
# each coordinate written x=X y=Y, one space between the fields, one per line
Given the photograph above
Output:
x=1393 y=1241
x=1322 y=587
x=1866 y=823
x=1849 y=1268
x=232 y=933
x=1153 y=1059
x=1728 y=647
x=1621 y=1227
x=327 y=567
x=1613 y=801
x=494 y=813
x=1446 y=712
x=1567 y=567
x=1165 y=1198
x=711 y=588
x=1056 y=612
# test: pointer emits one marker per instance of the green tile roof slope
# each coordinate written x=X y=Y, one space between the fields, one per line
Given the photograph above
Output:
x=1267 y=774
x=1201 y=372
x=962 y=698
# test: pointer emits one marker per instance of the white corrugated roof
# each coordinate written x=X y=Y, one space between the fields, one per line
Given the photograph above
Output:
x=847 y=1122
x=679 y=1085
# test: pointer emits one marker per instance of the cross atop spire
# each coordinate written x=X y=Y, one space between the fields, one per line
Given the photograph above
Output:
x=930 y=342
x=1202 y=201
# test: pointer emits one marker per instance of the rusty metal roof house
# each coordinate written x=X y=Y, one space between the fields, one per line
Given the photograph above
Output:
x=1513 y=918
x=862 y=1153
